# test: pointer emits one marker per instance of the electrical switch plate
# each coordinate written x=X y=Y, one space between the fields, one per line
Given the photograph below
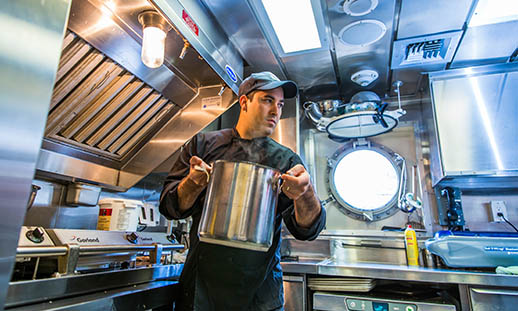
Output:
x=498 y=207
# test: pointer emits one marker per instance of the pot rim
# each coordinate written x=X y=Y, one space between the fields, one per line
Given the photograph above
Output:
x=249 y=163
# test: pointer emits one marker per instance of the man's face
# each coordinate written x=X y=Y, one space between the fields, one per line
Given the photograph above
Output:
x=263 y=111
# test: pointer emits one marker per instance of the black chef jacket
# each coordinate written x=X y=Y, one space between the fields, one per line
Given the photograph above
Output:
x=217 y=277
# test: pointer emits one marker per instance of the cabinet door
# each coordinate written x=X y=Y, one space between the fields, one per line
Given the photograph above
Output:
x=493 y=299
x=476 y=123
x=294 y=292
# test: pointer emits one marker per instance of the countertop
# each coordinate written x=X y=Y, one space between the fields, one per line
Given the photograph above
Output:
x=395 y=272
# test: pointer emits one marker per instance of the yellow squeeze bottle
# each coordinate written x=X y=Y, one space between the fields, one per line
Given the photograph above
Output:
x=412 y=252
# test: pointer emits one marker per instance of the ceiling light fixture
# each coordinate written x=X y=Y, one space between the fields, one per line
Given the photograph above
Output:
x=155 y=29
x=294 y=24
x=494 y=11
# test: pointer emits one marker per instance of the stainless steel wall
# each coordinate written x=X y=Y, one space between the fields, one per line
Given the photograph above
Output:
x=476 y=207
x=30 y=46
x=412 y=139
x=318 y=148
x=51 y=211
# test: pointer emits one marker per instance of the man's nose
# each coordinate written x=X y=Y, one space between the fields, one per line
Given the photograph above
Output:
x=275 y=110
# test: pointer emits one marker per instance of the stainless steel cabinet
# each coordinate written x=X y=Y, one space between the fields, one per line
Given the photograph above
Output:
x=474 y=123
x=493 y=299
x=294 y=292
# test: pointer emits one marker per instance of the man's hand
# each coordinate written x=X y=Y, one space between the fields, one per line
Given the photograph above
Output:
x=295 y=182
x=199 y=171
x=297 y=186
x=193 y=184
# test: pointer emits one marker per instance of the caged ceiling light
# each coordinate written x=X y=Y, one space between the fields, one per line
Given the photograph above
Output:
x=155 y=29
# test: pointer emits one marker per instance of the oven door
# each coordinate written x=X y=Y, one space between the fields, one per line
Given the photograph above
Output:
x=493 y=299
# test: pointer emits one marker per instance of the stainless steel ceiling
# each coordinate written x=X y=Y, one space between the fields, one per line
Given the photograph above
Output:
x=326 y=74
x=489 y=44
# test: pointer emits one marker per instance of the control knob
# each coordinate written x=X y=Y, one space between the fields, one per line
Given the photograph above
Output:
x=132 y=238
x=36 y=235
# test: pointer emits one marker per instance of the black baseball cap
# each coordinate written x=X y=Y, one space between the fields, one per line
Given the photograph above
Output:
x=267 y=81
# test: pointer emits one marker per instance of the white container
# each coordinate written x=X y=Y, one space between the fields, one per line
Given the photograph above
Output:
x=118 y=214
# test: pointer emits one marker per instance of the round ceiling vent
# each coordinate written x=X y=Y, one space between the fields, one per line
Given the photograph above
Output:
x=362 y=33
x=359 y=7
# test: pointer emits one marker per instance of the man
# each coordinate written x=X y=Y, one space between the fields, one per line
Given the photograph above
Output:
x=217 y=277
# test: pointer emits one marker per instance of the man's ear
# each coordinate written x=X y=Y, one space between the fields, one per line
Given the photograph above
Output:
x=243 y=102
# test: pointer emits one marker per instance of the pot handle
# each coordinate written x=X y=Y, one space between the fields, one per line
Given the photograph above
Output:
x=203 y=169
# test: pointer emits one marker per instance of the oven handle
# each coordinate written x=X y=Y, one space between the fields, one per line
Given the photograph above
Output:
x=495 y=291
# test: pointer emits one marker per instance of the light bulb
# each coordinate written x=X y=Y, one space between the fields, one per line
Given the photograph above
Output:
x=153 y=46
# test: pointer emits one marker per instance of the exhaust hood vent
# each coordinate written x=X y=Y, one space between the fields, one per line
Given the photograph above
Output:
x=99 y=106
x=429 y=50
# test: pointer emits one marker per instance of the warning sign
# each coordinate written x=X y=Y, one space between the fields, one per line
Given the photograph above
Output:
x=188 y=20
x=105 y=216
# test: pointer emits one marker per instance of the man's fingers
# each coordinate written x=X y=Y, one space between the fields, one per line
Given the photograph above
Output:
x=287 y=177
x=195 y=161
x=296 y=170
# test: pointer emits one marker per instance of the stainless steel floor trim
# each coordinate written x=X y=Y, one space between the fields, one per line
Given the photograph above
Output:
x=25 y=292
x=137 y=297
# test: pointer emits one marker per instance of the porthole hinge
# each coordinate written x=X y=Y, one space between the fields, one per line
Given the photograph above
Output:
x=361 y=142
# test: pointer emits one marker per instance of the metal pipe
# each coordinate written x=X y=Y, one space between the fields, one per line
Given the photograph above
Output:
x=128 y=248
x=41 y=251
x=49 y=251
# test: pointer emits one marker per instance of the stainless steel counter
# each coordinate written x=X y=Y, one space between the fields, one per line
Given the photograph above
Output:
x=393 y=272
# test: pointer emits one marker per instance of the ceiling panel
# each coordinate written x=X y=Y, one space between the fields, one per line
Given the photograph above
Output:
x=422 y=17
x=487 y=44
x=375 y=56
x=314 y=74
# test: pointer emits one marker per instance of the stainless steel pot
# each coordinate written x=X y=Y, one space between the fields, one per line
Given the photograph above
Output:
x=240 y=205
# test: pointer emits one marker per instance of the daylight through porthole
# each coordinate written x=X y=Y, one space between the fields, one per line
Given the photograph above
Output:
x=365 y=181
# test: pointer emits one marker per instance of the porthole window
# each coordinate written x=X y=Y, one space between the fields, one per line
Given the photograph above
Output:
x=365 y=180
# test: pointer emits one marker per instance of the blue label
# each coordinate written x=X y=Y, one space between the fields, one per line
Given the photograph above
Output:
x=501 y=249
x=231 y=73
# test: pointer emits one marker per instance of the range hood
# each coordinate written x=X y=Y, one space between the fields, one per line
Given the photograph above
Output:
x=112 y=120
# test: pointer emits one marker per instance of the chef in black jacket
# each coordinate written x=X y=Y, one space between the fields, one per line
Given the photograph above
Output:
x=217 y=277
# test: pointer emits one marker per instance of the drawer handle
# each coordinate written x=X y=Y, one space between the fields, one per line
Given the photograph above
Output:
x=495 y=291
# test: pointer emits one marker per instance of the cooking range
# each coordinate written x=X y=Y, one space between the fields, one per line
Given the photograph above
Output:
x=55 y=264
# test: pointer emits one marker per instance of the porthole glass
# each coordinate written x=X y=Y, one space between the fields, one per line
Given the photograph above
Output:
x=365 y=180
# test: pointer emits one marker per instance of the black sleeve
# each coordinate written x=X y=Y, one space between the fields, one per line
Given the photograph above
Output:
x=300 y=233
x=288 y=215
x=169 y=196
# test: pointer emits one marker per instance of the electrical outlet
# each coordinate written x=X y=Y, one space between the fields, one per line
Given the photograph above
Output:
x=496 y=208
